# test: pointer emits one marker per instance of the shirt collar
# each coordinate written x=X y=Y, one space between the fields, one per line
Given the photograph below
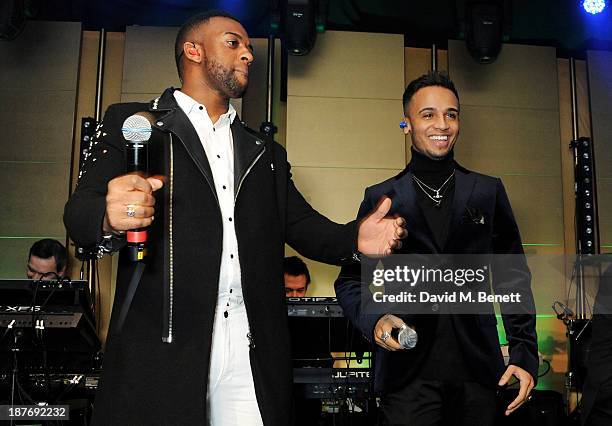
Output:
x=189 y=105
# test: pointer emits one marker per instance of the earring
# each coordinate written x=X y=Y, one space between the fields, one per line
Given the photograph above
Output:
x=403 y=124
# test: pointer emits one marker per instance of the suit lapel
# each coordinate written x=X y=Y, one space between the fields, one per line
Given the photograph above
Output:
x=247 y=147
x=408 y=207
x=464 y=186
x=176 y=122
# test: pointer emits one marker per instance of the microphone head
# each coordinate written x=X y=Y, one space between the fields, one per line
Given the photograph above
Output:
x=136 y=128
x=407 y=337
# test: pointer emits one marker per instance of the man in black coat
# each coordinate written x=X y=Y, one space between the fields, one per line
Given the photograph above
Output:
x=450 y=376
x=210 y=302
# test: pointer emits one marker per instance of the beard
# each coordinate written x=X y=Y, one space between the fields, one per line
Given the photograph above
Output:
x=225 y=80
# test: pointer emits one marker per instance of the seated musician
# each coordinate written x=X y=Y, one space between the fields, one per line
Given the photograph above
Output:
x=48 y=260
x=297 y=277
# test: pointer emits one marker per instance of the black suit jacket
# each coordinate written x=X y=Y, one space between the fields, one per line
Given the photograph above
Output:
x=481 y=223
x=156 y=364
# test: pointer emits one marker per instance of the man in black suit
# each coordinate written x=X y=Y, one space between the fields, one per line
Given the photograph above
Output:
x=202 y=337
x=451 y=376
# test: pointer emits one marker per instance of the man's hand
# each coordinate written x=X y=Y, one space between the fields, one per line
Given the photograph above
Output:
x=526 y=385
x=130 y=193
x=380 y=235
x=383 y=328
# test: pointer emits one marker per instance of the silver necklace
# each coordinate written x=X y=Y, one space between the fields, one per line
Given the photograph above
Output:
x=436 y=197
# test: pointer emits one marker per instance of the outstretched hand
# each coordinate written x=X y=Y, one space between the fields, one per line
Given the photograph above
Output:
x=379 y=235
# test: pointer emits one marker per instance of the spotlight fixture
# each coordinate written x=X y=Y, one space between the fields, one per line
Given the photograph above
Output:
x=594 y=6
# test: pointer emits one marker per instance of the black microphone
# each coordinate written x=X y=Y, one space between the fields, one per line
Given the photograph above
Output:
x=136 y=131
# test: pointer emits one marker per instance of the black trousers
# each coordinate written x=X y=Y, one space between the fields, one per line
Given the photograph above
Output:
x=601 y=413
x=439 y=403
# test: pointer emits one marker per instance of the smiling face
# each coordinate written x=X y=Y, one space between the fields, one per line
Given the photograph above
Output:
x=223 y=52
x=432 y=119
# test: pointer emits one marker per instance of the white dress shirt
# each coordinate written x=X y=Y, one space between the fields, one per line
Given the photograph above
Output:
x=219 y=147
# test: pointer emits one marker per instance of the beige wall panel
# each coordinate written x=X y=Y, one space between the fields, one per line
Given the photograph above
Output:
x=417 y=61
x=86 y=95
x=280 y=108
x=567 y=164
x=113 y=69
x=15 y=255
x=600 y=81
x=496 y=140
x=582 y=95
x=337 y=193
x=37 y=125
x=443 y=60
x=521 y=77
x=38 y=82
x=537 y=206
x=40 y=212
x=339 y=204
x=149 y=63
x=44 y=57
x=344 y=132
x=353 y=65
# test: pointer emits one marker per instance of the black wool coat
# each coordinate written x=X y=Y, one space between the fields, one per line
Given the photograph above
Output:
x=156 y=364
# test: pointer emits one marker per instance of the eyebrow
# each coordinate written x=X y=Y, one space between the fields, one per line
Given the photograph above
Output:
x=249 y=46
x=434 y=109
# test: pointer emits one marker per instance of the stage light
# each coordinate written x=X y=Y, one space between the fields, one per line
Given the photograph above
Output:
x=594 y=6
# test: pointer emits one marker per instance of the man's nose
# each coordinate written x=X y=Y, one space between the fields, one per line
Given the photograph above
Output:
x=441 y=122
x=247 y=56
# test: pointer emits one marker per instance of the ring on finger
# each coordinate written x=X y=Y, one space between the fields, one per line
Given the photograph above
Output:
x=385 y=335
x=130 y=210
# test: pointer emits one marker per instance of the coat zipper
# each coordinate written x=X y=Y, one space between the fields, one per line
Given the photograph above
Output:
x=250 y=336
x=168 y=337
x=247 y=173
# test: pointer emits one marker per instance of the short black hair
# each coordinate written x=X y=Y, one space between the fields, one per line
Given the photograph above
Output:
x=295 y=266
x=432 y=78
x=47 y=248
x=191 y=24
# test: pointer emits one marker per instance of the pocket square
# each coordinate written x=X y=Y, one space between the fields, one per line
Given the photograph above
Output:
x=473 y=215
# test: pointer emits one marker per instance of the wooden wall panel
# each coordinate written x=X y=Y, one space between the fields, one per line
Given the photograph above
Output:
x=344 y=132
x=343 y=109
x=600 y=91
x=38 y=83
x=352 y=65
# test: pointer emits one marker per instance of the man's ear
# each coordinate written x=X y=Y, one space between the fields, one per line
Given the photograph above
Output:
x=407 y=128
x=192 y=52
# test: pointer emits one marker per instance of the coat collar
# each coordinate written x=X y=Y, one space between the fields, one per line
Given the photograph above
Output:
x=415 y=220
x=247 y=143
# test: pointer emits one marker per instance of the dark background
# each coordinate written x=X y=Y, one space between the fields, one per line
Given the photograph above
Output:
x=560 y=23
